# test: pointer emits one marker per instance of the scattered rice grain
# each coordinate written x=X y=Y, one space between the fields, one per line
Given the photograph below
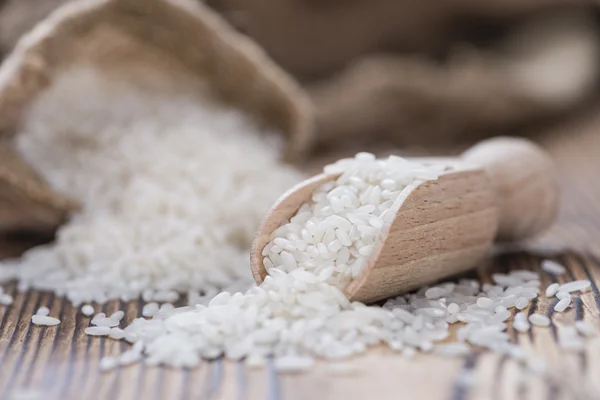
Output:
x=87 y=310
x=44 y=320
x=97 y=330
x=553 y=267
x=574 y=286
x=563 y=304
x=539 y=319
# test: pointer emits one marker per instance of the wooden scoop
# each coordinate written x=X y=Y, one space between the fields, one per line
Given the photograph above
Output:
x=501 y=189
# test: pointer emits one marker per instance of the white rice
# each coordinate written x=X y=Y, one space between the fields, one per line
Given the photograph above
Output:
x=87 y=310
x=105 y=322
x=575 y=286
x=520 y=322
x=98 y=317
x=585 y=329
x=552 y=289
x=553 y=267
x=294 y=316
x=569 y=339
x=536 y=366
x=150 y=309
x=43 y=311
x=97 y=330
x=333 y=235
x=255 y=361
x=132 y=356
x=44 y=320
x=6 y=299
x=172 y=190
x=172 y=193
x=521 y=326
x=108 y=363
x=116 y=333
x=452 y=349
x=576 y=345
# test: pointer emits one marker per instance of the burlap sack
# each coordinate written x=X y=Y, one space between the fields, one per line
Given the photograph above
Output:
x=381 y=71
x=179 y=41
x=26 y=203
x=396 y=71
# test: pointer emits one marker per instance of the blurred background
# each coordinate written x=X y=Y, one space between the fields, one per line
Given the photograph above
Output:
x=414 y=74
x=418 y=77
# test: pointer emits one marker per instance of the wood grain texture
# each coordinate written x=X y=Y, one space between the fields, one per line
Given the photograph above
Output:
x=61 y=362
x=524 y=181
x=442 y=228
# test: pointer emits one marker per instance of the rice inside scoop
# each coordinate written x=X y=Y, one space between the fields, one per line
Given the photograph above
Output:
x=334 y=233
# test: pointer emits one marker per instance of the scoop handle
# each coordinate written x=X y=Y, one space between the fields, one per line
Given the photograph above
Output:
x=524 y=180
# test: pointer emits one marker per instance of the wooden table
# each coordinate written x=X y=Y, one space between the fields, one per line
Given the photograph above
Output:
x=61 y=362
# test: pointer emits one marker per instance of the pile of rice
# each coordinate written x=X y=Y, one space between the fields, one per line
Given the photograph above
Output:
x=172 y=191
x=299 y=312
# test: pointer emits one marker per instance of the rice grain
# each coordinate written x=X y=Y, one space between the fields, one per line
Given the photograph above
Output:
x=553 y=267
x=539 y=320
x=44 y=320
x=552 y=289
x=563 y=304
x=87 y=310
x=575 y=286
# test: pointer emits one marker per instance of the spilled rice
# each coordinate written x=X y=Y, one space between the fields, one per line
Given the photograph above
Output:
x=298 y=318
x=172 y=208
x=299 y=313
